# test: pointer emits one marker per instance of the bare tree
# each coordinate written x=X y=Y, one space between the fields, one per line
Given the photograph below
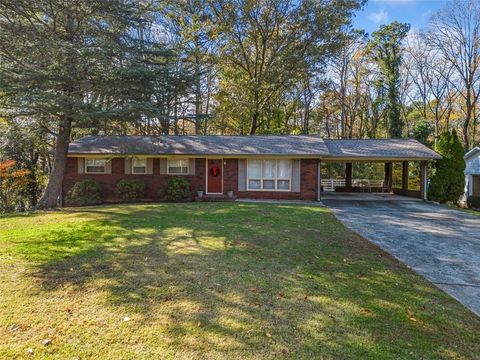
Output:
x=455 y=32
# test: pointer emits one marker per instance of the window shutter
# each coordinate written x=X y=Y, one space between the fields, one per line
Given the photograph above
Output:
x=163 y=166
x=242 y=175
x=81 y=165
x=149 y=169
x=296 y=175
x=108 y=166
x=191 y=166
x=128 y=165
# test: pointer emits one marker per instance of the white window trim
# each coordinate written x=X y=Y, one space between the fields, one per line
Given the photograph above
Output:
x=274 y=179
x=179 y=174
x=133 y=166
x=95 y=172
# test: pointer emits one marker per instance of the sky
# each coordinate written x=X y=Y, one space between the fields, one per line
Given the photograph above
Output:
x=379 y=12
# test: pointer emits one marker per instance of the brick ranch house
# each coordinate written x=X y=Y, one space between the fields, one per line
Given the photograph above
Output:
x=255 y=167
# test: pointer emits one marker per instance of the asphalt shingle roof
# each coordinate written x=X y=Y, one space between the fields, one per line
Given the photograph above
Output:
x=287 y=145
x=382 y=148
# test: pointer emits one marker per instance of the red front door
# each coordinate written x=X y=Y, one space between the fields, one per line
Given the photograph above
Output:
x=214 y=176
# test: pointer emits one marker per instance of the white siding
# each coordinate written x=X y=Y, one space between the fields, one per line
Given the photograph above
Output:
x=472 y=168
x=473 y=164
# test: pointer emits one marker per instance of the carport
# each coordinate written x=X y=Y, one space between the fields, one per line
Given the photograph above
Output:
x=398 y=159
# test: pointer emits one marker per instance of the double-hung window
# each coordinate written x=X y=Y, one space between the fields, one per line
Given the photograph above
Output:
x=269 y=175
x=177 y=167
x=139 y=166
x=95 y=166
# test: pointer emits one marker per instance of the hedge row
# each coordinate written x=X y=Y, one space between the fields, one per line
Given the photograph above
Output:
x=89 y=192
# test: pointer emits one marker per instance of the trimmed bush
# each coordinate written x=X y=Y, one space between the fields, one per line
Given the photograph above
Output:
x=473 y=202
x=85 y=192
x=129 y=190
x=177 y=189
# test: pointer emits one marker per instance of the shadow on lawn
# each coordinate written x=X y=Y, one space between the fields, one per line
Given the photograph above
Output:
x=277 y=281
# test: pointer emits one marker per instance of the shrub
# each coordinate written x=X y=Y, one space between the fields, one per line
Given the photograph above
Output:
x=130 y=189
x=448 y=181
x=13 y=183
x=473 y=202
x=86 y=192
x=177 y=189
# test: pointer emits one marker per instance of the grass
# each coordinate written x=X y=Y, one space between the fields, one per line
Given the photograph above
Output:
x=215 y=280
x=453 y=206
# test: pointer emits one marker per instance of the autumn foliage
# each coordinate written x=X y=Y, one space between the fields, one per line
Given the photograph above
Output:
x=12 y=183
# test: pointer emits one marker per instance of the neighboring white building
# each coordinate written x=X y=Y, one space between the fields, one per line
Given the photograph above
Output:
x=472 y=172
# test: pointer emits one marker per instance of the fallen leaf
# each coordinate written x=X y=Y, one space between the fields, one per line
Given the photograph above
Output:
x=13 y=327
x=257 y=290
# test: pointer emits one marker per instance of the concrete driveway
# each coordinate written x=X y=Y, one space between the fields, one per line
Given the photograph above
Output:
x=440 y=244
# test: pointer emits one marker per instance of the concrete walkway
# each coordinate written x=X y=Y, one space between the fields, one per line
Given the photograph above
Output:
x=441 y=244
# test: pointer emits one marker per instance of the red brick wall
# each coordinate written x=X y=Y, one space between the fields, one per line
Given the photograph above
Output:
x=155 y=182
x=230 y=175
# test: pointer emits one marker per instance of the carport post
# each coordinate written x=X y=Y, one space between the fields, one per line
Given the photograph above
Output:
x=405 y=176
x=423 y=179
x=388 y=175
x=348 y=175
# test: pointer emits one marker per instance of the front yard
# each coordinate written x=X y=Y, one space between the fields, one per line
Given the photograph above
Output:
x=212 y=280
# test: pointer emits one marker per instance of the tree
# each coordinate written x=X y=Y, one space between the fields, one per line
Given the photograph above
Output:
x=266 y=45
x=386 y=48
x=191 y=25
x=26 y=143
x=349 y=71
x=12 y=183
x=422 y=131
x=57 y=57
x=455 y=32
x=448 y=181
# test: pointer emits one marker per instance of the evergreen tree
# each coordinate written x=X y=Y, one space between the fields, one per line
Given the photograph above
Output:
x=448 y=181
x=64 y=62
x=422 y=130
x=386 y=47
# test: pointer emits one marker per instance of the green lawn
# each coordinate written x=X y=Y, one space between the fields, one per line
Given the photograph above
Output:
x=215 y=280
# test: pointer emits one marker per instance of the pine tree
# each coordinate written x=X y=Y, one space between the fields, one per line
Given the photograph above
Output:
x=448 y=181
x=67 y=63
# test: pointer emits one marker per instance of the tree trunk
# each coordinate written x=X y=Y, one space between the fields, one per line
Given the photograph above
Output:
x=54 y=186
x=255 y=117
x=465 y=128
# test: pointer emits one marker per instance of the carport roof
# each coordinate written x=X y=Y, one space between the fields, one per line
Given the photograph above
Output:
x=380 y=148
x=249 y=146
